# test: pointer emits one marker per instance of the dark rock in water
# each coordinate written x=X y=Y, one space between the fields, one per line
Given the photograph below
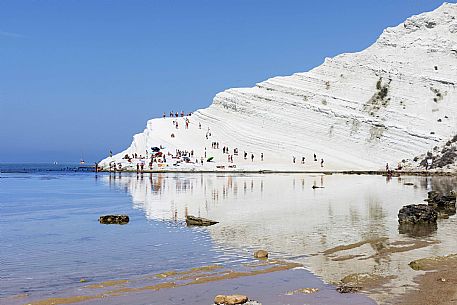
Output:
x=417 y=230
x=347 y=289
x=444 y=204
x=199 y=221
x=441 y=199
x=114 y=219
x=417 y=214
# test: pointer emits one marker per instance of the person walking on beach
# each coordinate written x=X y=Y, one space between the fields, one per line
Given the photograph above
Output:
x=245 y=155
x=164 y=115
x=261 y=157
x=303 y=160
x=137 y=168
x=315 y=157
x=387 y=167
x=199 y=125
x=428 y=165
x=201 y=160
x=322 y=162
x=252 y=157
x=293 y=159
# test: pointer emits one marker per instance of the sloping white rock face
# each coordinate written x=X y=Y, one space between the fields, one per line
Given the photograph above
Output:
x=392 y=101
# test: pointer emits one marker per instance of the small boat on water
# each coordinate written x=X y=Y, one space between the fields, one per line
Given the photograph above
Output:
x=199 y=221
x=82 y=162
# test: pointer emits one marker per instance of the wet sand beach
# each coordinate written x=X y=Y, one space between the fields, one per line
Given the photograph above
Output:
x=270 y=282
x=438 y=286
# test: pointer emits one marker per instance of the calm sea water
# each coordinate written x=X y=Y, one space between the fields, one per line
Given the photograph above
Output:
x=51 y=237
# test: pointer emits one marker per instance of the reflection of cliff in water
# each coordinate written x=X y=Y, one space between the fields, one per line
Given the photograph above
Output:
x=349 y=226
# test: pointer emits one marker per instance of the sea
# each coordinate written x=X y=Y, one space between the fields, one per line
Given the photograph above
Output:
x=53 y=246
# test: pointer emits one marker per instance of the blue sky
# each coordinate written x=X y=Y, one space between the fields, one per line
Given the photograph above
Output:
x=81 y=77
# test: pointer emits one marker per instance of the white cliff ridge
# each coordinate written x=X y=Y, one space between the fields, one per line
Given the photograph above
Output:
x=394 y=100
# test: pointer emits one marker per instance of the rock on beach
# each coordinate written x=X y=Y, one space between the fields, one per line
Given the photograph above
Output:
x=230 y=299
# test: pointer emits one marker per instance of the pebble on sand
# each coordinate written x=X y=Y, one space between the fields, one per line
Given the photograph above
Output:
x=230 y=299
x=261 y=254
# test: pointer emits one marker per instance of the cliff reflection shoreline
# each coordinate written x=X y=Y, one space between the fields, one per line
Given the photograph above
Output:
x=301 y=217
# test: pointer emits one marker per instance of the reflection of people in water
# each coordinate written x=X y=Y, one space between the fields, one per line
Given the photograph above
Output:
x=388 y=178
x=428 y=181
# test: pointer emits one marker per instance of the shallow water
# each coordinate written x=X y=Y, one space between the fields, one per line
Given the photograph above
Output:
x=51 y=237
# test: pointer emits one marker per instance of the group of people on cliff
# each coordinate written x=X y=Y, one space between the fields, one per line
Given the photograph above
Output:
x=303 y=160
x=185 y=155
x=176 y=114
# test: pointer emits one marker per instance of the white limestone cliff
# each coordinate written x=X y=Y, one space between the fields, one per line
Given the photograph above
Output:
x=358 y=111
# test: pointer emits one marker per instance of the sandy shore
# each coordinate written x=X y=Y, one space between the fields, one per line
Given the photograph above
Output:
x=437 y=286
